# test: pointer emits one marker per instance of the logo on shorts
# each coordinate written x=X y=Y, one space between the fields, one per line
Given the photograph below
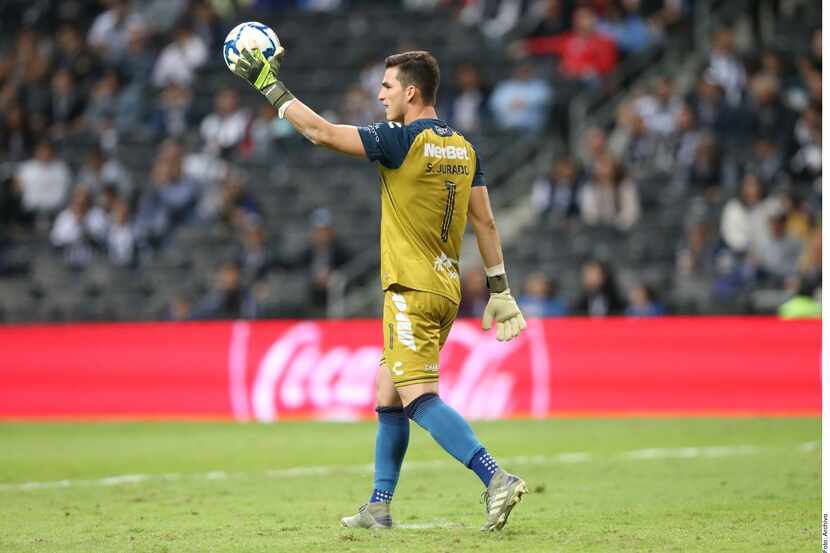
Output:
x=403 y=323
x=431 y=367
x=396 y=370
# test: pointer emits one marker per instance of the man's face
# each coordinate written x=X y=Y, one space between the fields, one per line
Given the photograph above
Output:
x=393 y=95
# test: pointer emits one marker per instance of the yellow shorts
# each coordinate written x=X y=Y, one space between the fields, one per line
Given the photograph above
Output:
x=415 y=327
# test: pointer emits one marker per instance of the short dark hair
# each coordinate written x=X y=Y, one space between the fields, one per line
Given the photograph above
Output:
x=420 y=69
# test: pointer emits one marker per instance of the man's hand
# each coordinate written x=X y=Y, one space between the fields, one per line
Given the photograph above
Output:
x=262 y=74
x=509 y=320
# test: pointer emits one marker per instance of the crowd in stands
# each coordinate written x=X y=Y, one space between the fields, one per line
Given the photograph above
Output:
x=104 y=83
x=743 y=146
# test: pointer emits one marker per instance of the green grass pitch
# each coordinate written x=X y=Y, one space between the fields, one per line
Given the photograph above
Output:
x=598 y=485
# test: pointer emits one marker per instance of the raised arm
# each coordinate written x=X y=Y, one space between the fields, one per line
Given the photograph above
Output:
x=502 y=307
x=342 y=138
x=262 y=74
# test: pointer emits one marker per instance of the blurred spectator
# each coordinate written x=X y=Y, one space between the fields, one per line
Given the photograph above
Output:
x=549 y=20
x=521 y=102
x=771 y=118
x=778 y=254
x=261 y=134
x=799 y=218
x=161 y=15
x=227 y=299
x=99 y=171
x=744 y=223
x=173 y=114
x=109 y=33
x=43 y=181
x=600 y=295
x=66 y=105
x=659 y=109
x=809 y=266
x=137 y=62
x=237 y=207
x=256 y=255
x=725 y=68
x=704 y=174
x=585 y=54
x=225 y=128
x=320 y=259
x=468 y=105
x=695 y=268
x=121 y=238
x=709 y=107
x=206 y=24
x=642 y=302
x=633 y=143
x=555 y=196
x=696 y=257
x=539 y=298
x=12 y=216
x=805 y=164
x=178 y=192
x=152 y=219
x=16 y=136
x=24 y=65
x=608 y=198
x=178 y=61
x=103 y=108
x=474 y=293
x=169 y=201
x=78 y=228
x=678 y=150
x=594 y=146
x=70 y=54
x=810 y=67
x=135 y=69
x=627 y=27
x=766 y=160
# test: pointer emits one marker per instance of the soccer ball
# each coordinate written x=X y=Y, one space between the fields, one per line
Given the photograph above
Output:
x=247 y=36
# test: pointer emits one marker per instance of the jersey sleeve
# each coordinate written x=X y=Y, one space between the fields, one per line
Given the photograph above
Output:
x=478 y=176
x=386 y=143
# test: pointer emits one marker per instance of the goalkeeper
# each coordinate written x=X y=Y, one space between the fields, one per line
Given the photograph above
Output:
x=431 y=181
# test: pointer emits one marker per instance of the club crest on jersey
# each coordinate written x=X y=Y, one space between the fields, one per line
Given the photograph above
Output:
x=445 y=152
x=445 y=264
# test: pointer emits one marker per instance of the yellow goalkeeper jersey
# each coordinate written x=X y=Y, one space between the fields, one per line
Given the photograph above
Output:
x=427 y=171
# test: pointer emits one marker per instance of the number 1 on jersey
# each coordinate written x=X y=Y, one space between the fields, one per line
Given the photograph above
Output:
x=445 y=225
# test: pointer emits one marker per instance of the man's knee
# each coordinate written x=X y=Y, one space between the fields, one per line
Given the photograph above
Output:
x=385 y=393
x=413 y=407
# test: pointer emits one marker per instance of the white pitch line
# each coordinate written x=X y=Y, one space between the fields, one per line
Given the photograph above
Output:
x=707 y=452
x=427 y=525
x=691 y=452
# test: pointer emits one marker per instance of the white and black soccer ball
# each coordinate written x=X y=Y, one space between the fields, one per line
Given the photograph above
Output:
x=247 y=36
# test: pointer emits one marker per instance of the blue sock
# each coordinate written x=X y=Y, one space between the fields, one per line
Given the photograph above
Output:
x=390 y=448
x=449 y=429
x=484 y=466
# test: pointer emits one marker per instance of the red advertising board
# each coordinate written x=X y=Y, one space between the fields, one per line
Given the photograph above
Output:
x=325 y=369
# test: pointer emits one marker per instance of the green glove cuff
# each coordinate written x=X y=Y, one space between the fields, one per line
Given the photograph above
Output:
x=277 y=94
x=497 y=284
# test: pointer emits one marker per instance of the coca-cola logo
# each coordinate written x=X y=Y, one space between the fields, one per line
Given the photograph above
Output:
x=327 y=370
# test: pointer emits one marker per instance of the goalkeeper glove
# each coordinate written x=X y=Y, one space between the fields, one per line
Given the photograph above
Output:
x=262 y=74
x=503 y=309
